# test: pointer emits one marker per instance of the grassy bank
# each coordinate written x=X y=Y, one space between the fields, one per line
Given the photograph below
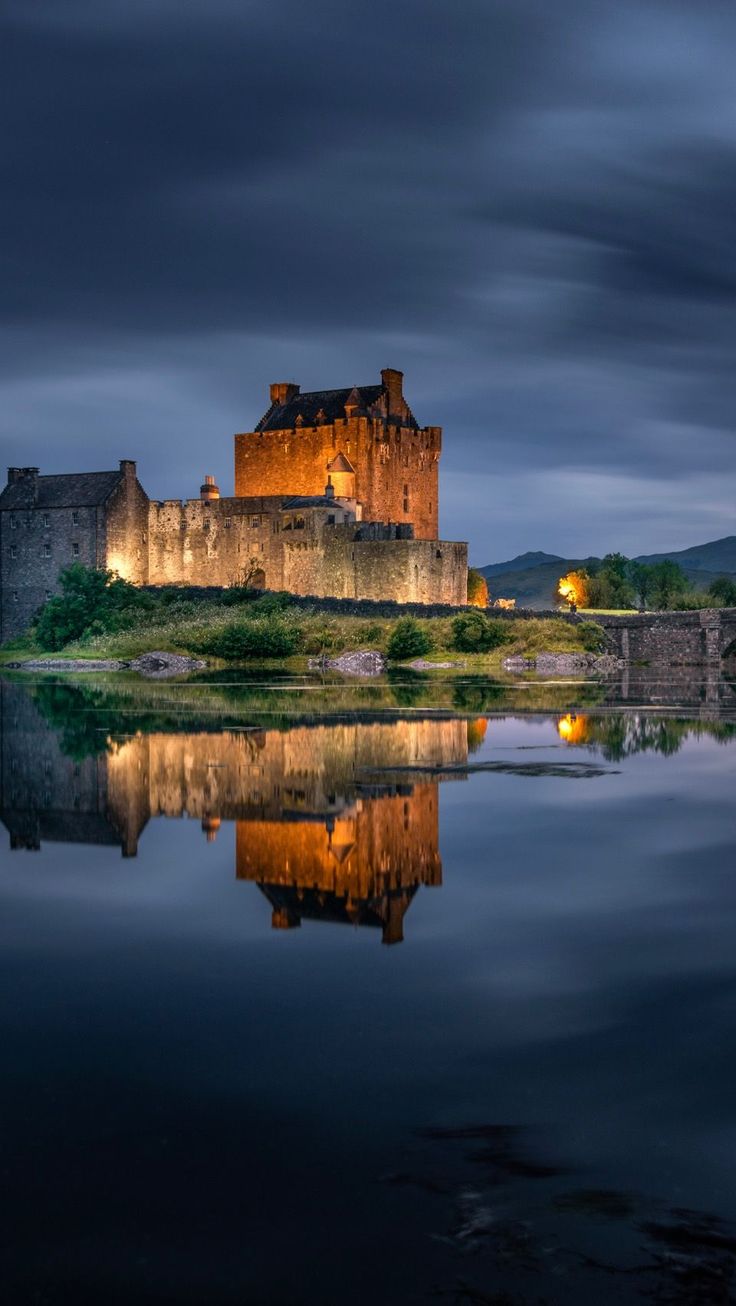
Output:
x=269 y=629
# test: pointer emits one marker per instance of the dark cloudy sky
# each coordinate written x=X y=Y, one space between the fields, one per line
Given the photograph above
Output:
x=529 y=206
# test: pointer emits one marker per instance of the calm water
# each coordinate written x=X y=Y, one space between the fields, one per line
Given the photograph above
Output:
x=334 y=994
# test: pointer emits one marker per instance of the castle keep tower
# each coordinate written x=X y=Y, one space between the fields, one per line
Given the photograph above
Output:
x=365 y=441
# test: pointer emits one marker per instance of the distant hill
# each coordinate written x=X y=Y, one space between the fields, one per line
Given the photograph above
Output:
x=531 y=578
x=524 y=562
x=719 y=556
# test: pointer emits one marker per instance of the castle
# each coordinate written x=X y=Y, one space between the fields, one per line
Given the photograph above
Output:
x=336 y=495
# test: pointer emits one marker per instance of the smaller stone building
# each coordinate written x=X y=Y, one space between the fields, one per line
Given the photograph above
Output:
x=99 y=519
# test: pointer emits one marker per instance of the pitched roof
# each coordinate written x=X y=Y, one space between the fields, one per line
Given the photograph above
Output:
x=77 y=490
x=340 y=464
x=315 y=406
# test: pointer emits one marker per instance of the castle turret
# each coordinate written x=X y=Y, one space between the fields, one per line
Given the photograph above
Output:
x=209 y=489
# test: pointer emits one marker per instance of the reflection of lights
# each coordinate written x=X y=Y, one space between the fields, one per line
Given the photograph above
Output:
x=477 y=733
x=573 y=729
x=210 y=825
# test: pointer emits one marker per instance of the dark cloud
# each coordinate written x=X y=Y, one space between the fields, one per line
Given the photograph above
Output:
x=529 y=207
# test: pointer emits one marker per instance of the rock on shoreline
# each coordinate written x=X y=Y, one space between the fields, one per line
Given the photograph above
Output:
x=366 y=662
x=153 y=665
x=565 y=664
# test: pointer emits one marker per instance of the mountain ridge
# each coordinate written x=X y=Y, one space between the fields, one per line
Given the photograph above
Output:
x=530 y=578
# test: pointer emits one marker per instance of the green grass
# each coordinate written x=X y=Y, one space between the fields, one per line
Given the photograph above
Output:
x=189 y=628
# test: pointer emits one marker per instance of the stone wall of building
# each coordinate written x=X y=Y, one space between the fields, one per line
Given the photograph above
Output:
x=336 y=563
x=39 y=540
x=124 y=528
x=396 y=467
x=218 y=542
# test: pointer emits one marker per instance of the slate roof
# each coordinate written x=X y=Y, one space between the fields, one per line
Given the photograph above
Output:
x=282 y=417
x=309 y=501
x=78 y=490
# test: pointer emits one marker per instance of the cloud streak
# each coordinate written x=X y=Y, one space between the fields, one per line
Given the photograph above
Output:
x=529 y=208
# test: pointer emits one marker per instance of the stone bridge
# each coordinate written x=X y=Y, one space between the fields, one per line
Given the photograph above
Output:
x=707 y=635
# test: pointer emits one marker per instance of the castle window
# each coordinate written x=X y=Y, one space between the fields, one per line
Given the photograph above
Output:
x=15 y=596
x=13 y=523
x=406 y=490
x=47 y=550
x=14 y=550
x=406 y=505
x=255 y=521
x=75 y=518
x=48 y=594
x=299 y=523
x=46 y=521
x=143 y=537
x=206 y=524
x=287 y=524
x=228 y=523
x=75 y=550
x=438 y=554
x=331 y=519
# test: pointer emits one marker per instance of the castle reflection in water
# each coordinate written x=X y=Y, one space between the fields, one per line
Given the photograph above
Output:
x=316 y=827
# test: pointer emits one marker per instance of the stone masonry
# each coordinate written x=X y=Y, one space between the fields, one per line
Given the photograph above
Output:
x=336 y=495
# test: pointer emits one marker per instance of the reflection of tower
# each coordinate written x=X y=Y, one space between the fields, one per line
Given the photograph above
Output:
x=361 y=866
x=210 y=825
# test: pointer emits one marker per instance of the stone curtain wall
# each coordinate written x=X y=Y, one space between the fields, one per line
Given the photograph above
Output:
x=215 y=543
x=396 y=468
x=334 y=563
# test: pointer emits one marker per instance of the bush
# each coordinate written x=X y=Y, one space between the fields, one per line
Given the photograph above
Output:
x=473 y=632
x=92 y=601
x=408 y=640
x=592 y=636
x=254 y=639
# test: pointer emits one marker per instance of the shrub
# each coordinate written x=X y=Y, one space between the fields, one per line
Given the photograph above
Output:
x=254 y=639
x=92 y=601
x=473 y=632
x=408 y=640
x=592 y=636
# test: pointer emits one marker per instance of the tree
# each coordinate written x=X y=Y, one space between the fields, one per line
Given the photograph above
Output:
x=477 y=589
x=668 y=581
x=723 y=592
x=574 y=588
x=92 y=600
x=642 y=579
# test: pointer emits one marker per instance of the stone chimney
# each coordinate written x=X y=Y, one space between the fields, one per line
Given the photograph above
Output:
x=282 y=392
x=208 y=490
x=127 y=467
x=29 y=474
x=393 y=384
x=28 y=478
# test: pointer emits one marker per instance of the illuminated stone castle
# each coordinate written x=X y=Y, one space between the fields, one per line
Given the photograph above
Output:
x=336 y=495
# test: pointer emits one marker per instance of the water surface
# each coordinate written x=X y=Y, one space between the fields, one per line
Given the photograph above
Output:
x=411 y=992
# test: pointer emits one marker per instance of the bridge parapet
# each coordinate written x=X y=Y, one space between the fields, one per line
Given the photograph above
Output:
x=699 y=636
